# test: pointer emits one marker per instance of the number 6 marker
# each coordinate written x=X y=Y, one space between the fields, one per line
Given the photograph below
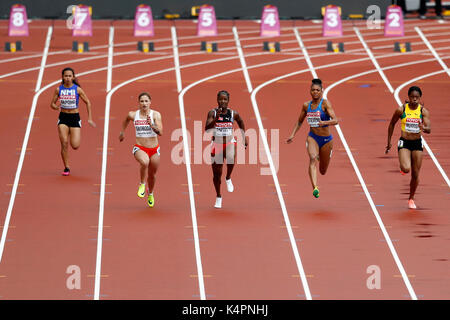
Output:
x=393 y=25
x=18 y=21
x=206 y=25
x=332 y=25
x=143 y=21
x=270 y=23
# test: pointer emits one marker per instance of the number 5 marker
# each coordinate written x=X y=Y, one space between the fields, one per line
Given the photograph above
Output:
x=206 y=25
x=332 y=25
x=143 y=21
x=18 y=21
x=270 y=23
x=393 y=25
x=82 y=23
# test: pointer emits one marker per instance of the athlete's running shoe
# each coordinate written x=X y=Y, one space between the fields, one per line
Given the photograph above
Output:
x=403 y=173
x=66 y=172
x=316 y=192
x=218 y=203
x=230 y=187
x=411 y=204
x=141 y=190
x=151 y=200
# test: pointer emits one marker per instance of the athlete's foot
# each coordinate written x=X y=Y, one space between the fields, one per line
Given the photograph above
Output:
x=151 y=200
x=403 y=173
x=66 y=172
x=316 y=192
x=141 y=190
x=218 y=203
x=411 y=204
x=230 y=187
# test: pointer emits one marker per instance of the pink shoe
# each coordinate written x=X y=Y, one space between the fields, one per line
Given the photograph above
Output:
x=403 y=173
x=411 y=204
x=66 y=172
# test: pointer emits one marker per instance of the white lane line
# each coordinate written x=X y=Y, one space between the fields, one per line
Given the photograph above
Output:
x=305 y=53
x=187 y=158
x=44 y=59
x=242 y=59
x=430 y=152
x=98 y=261
x=374 y=61
x=24 y=147
x=262 y=133
x=435 y=54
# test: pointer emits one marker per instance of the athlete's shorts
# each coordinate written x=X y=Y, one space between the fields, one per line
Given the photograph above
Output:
x=321 y=140
x=219 y=147
x=410 y=144
x=69 y=119
x=149 y=151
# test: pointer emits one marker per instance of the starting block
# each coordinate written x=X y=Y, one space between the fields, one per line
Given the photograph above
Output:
x=208 y=46
x=402 y=47
x=335 y=47
x=80 y=47
x=13 y=46
x=145 y=46
x=271 y=46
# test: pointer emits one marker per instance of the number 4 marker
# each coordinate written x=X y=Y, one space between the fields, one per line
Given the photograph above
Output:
x=270 y=23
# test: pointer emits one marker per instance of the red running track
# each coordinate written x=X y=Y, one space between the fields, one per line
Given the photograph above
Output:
x=245 y=249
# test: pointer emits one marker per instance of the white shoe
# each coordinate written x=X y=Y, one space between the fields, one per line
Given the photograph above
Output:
x=230 y=187
x=218 y=203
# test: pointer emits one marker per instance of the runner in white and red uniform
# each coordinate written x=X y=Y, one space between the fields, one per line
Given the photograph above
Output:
x=221 y=120
x=69 y=122
x=148 y=126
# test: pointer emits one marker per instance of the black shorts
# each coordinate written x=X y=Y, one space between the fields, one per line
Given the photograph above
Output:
x=410 y=144
x=69 y=119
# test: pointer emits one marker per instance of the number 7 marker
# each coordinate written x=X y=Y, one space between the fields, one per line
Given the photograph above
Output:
x=393 y=25
x=82 y=23
x=270 y=22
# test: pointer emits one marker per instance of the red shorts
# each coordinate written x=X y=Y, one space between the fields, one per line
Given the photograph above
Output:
x=149 y=151
x=219 y=147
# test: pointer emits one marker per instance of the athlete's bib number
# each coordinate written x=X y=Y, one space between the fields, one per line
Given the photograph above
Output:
x=313 y=119
x=412 y=125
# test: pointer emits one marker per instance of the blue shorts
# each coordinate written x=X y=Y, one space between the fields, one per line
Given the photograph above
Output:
x=321 y=140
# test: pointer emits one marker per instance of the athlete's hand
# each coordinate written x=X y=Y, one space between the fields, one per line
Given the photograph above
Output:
x=92 y=123
x=290 y=139
x=121 y=136
x=388 y=147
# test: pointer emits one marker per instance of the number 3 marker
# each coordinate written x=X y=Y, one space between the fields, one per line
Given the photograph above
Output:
x=332 y=25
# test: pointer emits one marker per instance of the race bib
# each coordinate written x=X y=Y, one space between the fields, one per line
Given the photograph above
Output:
x=313 y=118
x=412 y=125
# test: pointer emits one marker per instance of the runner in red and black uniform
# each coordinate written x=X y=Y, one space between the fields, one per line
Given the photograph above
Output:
x=221 y=120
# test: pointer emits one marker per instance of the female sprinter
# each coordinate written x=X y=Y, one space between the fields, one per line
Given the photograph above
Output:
x=319 y=143
x=221 y=120
x=69 y=123
x=148 y=125
x=414 y=120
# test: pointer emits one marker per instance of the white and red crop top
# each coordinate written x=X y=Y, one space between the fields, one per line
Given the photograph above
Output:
x=143 y=129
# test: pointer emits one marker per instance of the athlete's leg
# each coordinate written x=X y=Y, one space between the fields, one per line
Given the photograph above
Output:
x=231 y=159
x=152 y=168
x=63 y=132
x=313 y=151
x=404 y=157
x=144 y=161
x=325 y=156
x=75 y=137
x=416 y=157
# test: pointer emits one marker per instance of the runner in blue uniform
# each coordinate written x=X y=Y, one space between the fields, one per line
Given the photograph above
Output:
x=69 y=122
x=319 y=143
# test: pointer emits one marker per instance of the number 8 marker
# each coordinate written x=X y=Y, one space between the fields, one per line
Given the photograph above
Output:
x=18 y=21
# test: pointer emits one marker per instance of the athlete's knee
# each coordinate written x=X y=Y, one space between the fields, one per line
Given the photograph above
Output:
x=144 y=162
x=75 y=146
x=313 y=159
x=64 y=145
x=323 y=171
